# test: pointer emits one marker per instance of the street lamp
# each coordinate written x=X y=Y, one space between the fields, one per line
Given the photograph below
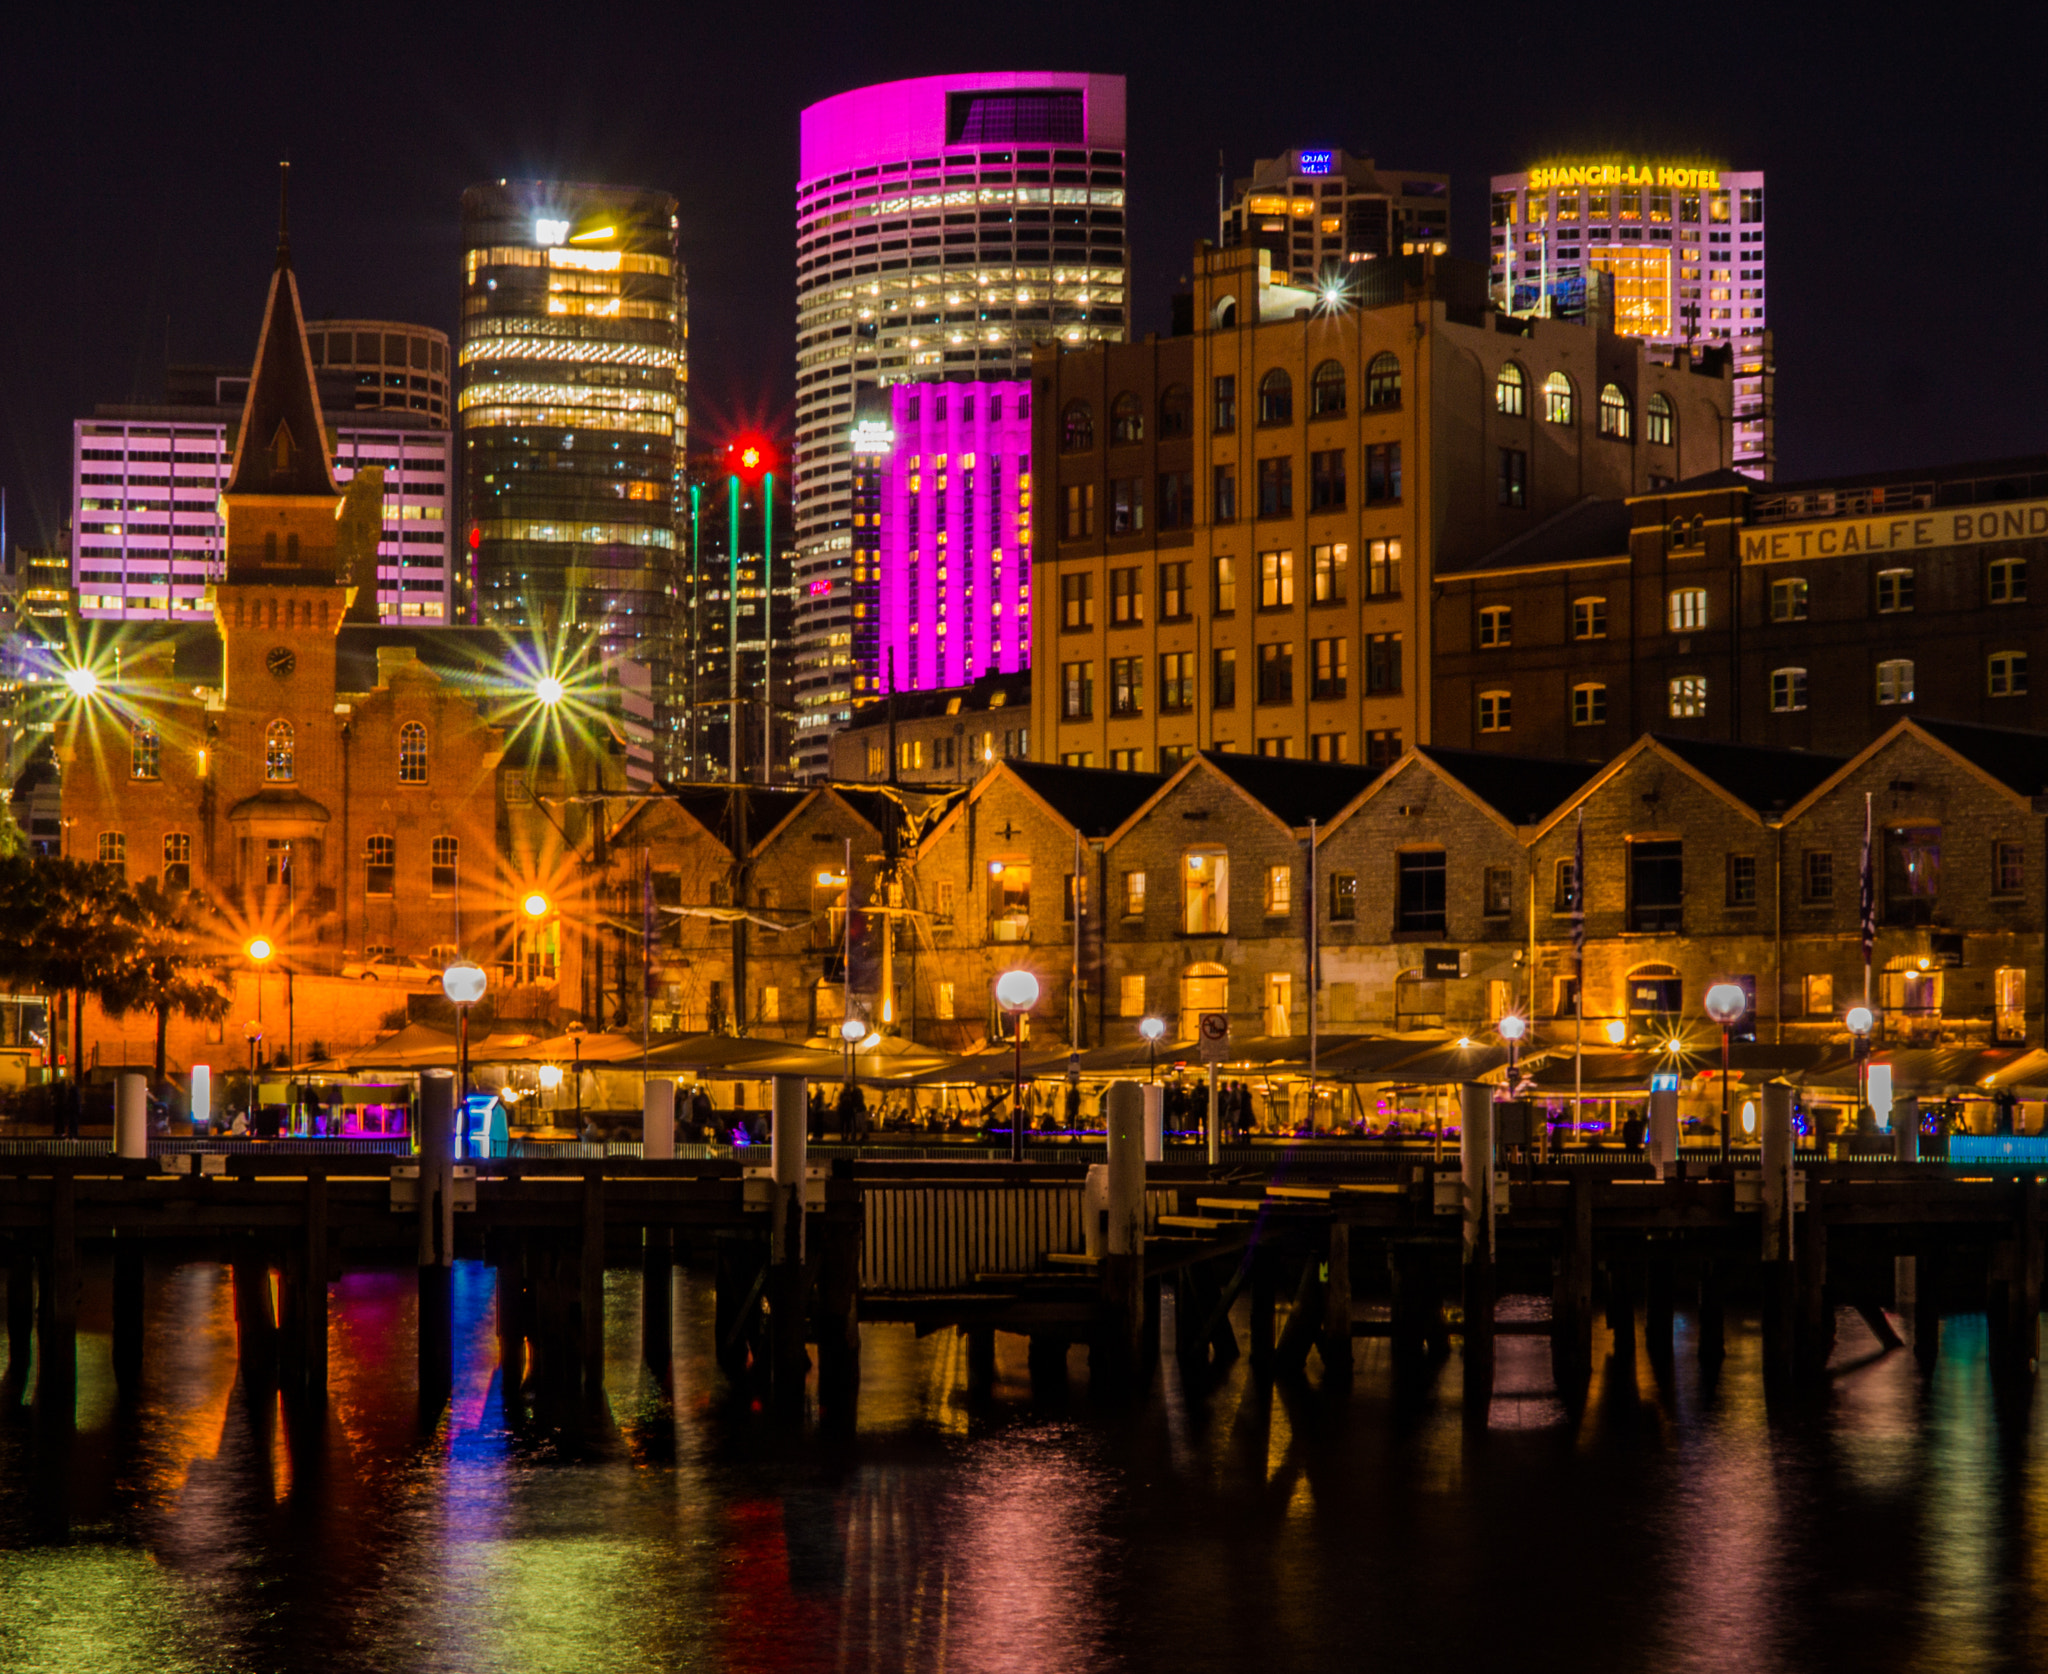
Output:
x=535 y=905
x=1726 y=1002
x=252 y=1032
x=82 y=681
x=1152 y=1028
x=1617 y=1031
x=463 y=982
x=850 y=1030
x=1017 y=993
x=1511 y=1029
x=549 y=690
x=1860 y=1021
x=259 y=951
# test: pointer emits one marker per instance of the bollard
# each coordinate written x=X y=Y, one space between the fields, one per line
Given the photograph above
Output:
x=787 y=1144
x=436 y=1142
x=1094 y=1209
x=1664 y=1130
x=1123 y=1265
x=1155 y=1123
x=1906 y=1130
x=1778 y=1309
x=658 y=1121
x=1475 y=1151
x=131 y=1114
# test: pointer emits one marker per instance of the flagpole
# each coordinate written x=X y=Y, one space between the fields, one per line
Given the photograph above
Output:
x=1579 y=970
x=1868 y=905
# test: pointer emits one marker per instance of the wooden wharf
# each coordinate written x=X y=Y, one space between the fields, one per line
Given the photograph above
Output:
x=801 y=1256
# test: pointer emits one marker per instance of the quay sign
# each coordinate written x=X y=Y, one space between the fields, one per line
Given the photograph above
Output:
x=1624 y=174
x=1842 y=537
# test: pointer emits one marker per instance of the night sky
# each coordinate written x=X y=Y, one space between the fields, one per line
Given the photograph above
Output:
x=1905 y=149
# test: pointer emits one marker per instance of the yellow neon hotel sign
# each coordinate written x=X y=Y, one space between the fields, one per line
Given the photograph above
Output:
x=1624 y=174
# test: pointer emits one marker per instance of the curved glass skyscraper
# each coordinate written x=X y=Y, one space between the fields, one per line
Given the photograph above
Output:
x=944 y=227
x=571 y=414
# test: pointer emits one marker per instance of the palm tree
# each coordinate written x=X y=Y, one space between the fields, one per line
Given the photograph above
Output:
x=163 y=966
x=63 y=929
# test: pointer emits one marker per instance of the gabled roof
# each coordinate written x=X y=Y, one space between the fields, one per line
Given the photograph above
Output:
x=1294 y=792
x=1093 y=800
x=1521 y=789
x=715 y=808
x=1707 y=482
x=1763 y=776
x=2017 y=760
x=1588 y=531
x=282 y=394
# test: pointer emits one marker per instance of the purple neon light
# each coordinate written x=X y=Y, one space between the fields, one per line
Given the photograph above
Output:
x=897 y=120
x=978 y=639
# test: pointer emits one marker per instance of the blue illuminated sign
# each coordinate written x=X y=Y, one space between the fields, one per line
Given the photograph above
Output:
x=1663 y=1083
x=1318 y=162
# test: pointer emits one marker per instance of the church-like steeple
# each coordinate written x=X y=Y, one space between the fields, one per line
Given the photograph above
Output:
x=282 y=447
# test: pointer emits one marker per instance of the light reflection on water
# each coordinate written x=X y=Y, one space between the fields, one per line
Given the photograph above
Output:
x=1674 y=1522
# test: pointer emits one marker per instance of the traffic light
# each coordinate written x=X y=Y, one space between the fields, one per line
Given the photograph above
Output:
x=749 y=457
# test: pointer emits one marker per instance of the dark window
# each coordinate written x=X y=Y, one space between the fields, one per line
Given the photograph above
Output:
x=1419 y=882
x=1223 y=495
x=1656 y=884
x=1077 y=427
x=1382 y=748
x=1077 y=681
x=1276 y=398
x=1514 y=477
x=1276 y=487
x=1912 y=874
x=1276 y=673
x=1176 y=682
x=1126 y=419
x=1176 y=508
x=1565 y=887
x=445 y=853
x=1174 y=411
x=1326 y=480
x=1383 y=381
x=380 y=856
x=1382 y=663
x=1499 y=891
x=1226 y=403
x=2008 y=868
x=1223 y=678
x=1382 y=473
x=1326 y=390
x=1126 y=685
x=1127 y=505
x=1742 y=880
x=1818 y=875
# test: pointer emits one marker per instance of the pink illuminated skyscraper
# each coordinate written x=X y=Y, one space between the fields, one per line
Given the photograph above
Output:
x=945 y=226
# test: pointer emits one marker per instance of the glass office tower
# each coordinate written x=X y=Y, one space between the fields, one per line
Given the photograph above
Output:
x=945 y=226
x=571 y=415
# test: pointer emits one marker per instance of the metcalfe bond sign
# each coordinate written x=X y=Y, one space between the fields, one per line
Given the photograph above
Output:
x=1950 y=526
x=1683 y=176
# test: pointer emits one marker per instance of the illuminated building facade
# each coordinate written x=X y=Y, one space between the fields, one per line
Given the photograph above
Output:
x=1684 y=246
x=952 y=527
x=1318 y=211
x=571 y=417
x=145 y=499
x=736 y=626
x=394 y=367
x=945 y=226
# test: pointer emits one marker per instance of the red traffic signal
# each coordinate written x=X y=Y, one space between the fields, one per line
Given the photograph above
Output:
x=748 y=456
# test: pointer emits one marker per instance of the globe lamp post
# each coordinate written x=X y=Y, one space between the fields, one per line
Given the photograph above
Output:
x=464 y=983
x=1860 y=1022
x=1726 y=1003
x=1152 y=1028
x=1017 y=993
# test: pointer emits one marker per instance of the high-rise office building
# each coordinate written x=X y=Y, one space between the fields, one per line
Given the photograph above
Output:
x=1318 y=211
x=945 y=226
x=395 y=368
x=1683 y=245
x=146 y=482
x=571 y=415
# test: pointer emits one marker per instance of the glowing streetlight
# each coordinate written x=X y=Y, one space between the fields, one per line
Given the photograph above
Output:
x=535 y=905
x=1152 y=1029
x=1726 y=1003
x=851 y=1030
x=463 y=982
x=1017 y=993
x=82 y=681
x=1617 y=1031
x=1511 y=1029
x=549 y=690
x=1860 y=1021
x=259 y=949
x=550 y=1077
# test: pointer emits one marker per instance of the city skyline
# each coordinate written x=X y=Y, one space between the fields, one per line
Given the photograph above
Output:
x=378 y=217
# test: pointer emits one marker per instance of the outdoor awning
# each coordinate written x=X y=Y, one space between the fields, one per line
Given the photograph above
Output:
x=1944 y=1071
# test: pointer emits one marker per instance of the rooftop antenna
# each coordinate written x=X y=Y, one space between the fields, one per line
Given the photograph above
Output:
x=284 y=213
x=1222 y=214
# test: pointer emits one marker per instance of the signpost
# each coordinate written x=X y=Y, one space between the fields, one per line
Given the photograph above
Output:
x=1214 y=1034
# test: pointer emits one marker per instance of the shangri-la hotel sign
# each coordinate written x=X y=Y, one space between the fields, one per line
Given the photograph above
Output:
x=1683 y=177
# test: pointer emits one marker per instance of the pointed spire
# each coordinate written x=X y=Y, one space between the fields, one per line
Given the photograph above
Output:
x=284 y=213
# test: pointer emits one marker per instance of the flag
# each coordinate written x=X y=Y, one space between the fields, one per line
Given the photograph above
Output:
x=1579 y=892
x=1867 y=902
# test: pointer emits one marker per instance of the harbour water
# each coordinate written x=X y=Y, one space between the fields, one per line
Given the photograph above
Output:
x=1893 y=1520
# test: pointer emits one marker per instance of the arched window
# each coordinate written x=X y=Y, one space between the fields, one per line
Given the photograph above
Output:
x=280 y=757
x=1614 y=412
x=145 y=753
x=1127 y=419
x=1276 y=398
x=412 y=754
x=1558 y=400
x=1511 y=392
x=1660 y=424
x=1077 y=427
x=1225 y=313
x=1326 y=390
x=1176 y=411
x=1383 y=381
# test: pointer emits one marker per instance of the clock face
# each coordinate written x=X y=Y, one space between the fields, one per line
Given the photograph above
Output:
x=281 y=661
